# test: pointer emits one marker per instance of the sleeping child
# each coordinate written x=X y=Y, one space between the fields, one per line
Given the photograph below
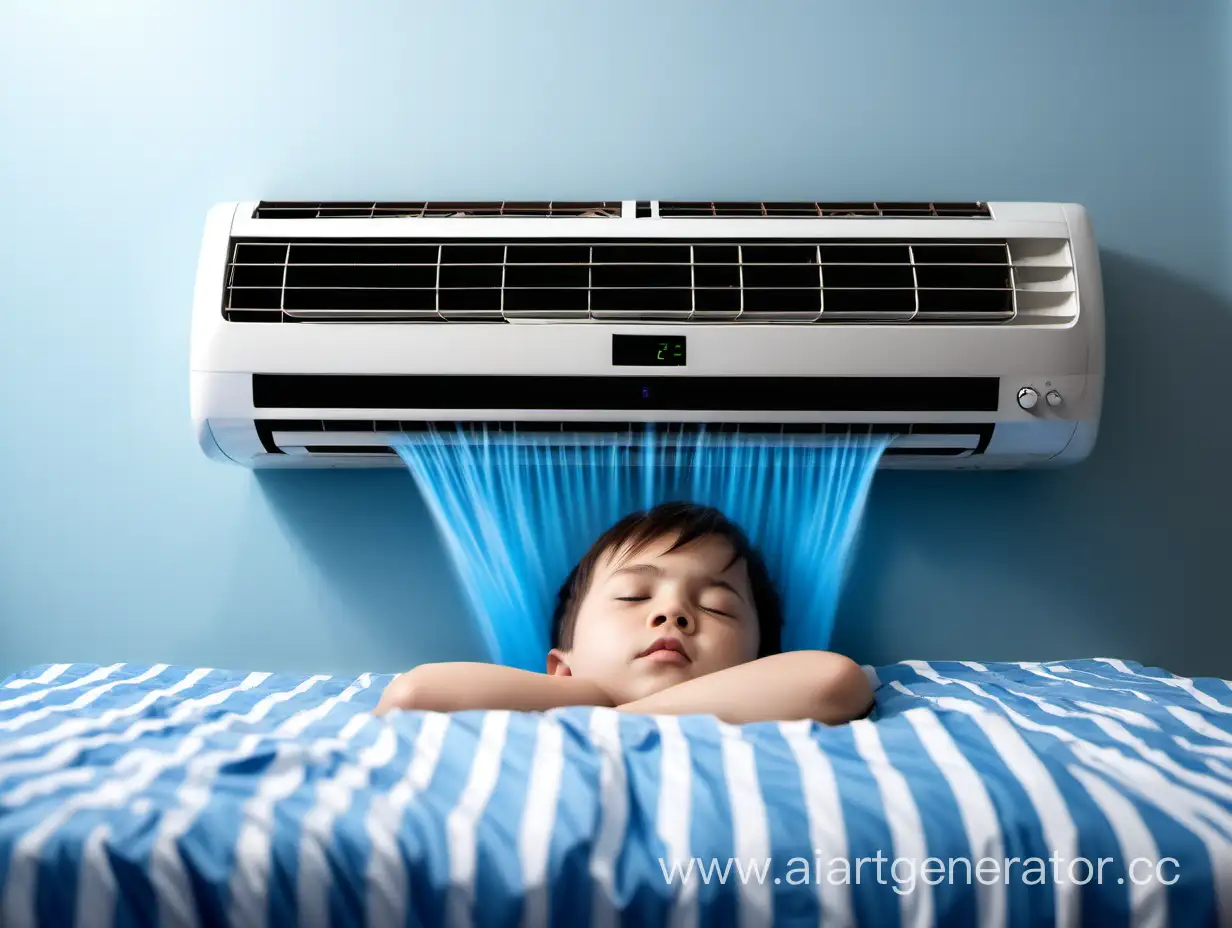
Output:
x=670 y=612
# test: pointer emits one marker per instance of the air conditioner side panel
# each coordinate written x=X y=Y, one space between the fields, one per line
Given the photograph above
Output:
x=207 y=321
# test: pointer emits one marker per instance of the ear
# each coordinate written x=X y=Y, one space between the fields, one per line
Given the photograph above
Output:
x=557 y=664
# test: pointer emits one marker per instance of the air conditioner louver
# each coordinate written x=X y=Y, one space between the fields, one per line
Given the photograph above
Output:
x=758 y=281
x=365 y=436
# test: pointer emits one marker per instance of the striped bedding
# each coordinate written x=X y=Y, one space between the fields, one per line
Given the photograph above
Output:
x=171 y=795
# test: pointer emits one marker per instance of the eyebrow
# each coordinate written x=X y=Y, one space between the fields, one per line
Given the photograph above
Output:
x=638 y=568
x=658 y=571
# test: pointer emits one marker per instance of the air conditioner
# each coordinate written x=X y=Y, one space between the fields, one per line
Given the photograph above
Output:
x=972 y=334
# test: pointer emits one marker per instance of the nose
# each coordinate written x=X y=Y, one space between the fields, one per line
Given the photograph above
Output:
x=676 y=618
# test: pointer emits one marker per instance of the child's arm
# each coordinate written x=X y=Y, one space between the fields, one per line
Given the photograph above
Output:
x=817 y=685
x=454 y=687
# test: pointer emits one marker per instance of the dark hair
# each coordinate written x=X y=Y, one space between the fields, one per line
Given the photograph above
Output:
x=688 y=522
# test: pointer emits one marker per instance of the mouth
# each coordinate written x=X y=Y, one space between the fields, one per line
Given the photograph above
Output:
x=666 y=651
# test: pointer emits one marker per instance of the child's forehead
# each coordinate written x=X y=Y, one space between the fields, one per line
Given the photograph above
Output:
x=712 y=548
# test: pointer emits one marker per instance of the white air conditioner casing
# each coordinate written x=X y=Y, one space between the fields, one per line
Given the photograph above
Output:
x=285 y=372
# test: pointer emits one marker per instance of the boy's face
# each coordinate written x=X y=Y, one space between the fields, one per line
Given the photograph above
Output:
x=657 y=618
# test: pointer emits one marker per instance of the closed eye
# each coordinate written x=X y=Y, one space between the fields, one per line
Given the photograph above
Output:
x=727 y=615
x=633 y=599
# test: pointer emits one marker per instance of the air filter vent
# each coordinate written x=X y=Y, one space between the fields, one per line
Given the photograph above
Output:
x=715 y=281
x=682 y=209
x=597 y=209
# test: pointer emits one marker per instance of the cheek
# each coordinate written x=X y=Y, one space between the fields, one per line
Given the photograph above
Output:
x=735 y=644
x=600 y=639
x=752 y=641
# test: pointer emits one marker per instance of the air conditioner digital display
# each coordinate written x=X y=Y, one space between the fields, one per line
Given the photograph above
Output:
x=648 y=351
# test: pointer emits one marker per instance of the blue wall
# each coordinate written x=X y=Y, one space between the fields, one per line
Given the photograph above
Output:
x=120 y=123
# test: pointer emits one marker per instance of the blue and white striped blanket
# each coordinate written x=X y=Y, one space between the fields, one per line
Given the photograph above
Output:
x=977 y=794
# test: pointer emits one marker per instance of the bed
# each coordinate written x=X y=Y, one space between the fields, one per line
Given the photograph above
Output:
x=174 y=795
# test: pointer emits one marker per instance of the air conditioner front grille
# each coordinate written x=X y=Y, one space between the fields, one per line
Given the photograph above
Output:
x=706 y=281
x=682 y=209
x=435 y=209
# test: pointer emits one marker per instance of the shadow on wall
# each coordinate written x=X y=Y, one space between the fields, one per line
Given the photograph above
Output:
x=1123 y=555
x=372 y=540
